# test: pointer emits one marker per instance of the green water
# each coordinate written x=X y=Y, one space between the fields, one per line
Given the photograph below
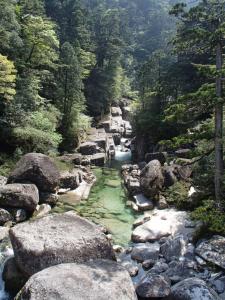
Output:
x=107 y=205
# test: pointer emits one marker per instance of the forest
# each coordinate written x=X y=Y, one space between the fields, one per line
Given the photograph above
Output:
x=65 y=64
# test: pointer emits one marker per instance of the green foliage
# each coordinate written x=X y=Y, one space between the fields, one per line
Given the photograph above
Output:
x=211 y=217
x=7 y=78
x=177 y=195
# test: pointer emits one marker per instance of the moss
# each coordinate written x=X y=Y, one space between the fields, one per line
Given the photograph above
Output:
x=177 y=194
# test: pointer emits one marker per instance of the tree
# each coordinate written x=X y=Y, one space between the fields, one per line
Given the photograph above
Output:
x=203 y=30
x=7 y=79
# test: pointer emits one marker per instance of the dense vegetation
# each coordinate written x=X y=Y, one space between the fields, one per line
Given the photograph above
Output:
x=63 y=63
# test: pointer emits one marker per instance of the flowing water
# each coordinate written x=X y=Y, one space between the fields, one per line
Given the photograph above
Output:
x=106 y=204
x=5 y=252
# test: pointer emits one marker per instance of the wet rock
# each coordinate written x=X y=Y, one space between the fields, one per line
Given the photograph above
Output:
x=147 y=264
x=49 y=198
x=3 y=181
x=98 y=280
x=153 y=286
x=174 y=247
x=213 y=250
x=192 y=289
x=143 y=203
x=88 y=148
x=36 y=168
x=151 y=179
x=142 y=252
x=131 y=268
x=5 y=216
x=13 y=278
x=55 y=239
x=180 y=270
x=160 y=156
x=159 y=267
x=19 y=195
x=70 y=179
x=219 y=285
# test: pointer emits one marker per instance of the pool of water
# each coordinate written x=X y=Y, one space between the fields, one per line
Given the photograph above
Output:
x=106 y=204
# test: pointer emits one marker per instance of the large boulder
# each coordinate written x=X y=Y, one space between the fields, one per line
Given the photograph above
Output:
x=160 y=156
x=151 y=179
x=36 y=168
x=70 y=179
x=88 y=148
x=98 y=280
x=192 y=289
x=5 y=216
x=55 y=239
x=213 y=250
x=174 y=247
x=154 y=286
x=145 y=251
x=19 y=195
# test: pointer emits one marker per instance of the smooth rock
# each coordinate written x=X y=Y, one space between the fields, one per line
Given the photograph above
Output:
x=142 y=252
x=162 y=224
x=98 y=280
x=55 y=239
x=192 y=289
x=213 y=250
x=36 y=168
x=174 y=247
x=153 y=286
x=19 y=195
x=151 y=179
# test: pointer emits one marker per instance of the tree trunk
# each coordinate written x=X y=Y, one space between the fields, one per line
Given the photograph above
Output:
x=219 y=132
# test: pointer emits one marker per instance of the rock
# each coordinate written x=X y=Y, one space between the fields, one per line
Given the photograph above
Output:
x=70 y=179
x=219 y=285
x=142 y=252
x=5 y=216
x=74 y=158
x=159 y=267
x=49 y=198
x=154 y=286
x=117 y=138
x=192 y=289
x=183 y=153
x=20 y=215
x=98 y=159
x=170 y=175
x=116 y=111
x=19 y=195
x=36 y=168
x=97 y=280
x=133 y=185
x=141 y=220
x=174 y=247
x=3 y=181
x=151 y=179
x=180 y=270
x=131 y=268
x=143 y=203
x=42 y=210
x=141 y=165
x=213 y=250
x=13 y=278
x=162 y=204
x=160 y=156
x=88 y=148
x=4 y=233
x=147 y=264
x=162 y=224
x=55 y=239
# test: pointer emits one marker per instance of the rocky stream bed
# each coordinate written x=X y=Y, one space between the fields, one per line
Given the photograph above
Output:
x=103 y=229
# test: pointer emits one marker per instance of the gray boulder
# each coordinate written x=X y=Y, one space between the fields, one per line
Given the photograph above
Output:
x=174 y=247
x=160 y=156
x=192 y=289
x=55 y=239
x=151 y=179
x=19 y=195
x=98 y=280
x=213 y=250
x=146 y=251
x=88 y=148
x=154 y=286
x=36 y=168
